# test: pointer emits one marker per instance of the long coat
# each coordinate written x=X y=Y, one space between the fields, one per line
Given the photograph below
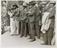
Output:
x=23 y=15
x=31 y=15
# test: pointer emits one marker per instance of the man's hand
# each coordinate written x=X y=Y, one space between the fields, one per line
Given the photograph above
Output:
x=10 y=14
x=44 y=32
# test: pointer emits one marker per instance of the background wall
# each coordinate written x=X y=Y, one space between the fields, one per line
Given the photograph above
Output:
x=29 y=0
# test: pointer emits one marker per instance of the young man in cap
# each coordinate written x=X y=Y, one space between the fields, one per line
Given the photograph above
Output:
x=13 y=22
x=23 y=19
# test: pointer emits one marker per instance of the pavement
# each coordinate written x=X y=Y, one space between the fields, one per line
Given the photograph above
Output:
x=8 y=41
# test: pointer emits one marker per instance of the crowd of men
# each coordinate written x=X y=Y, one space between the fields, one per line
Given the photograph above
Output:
x=33 y=19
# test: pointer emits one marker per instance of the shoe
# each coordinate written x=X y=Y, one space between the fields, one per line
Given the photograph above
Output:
x=25 y=35
x=32 y=40
x=29 y=38
x=44 y=44
x=21 y=36
x=14 y=34
x=38 y=37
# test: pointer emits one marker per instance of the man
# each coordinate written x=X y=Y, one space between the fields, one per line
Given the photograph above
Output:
x=20 y=6
x=26 y=19
x=23 y=18
x=13 y=22
x=48 y=26
x=17 y=19
x=38 y=20
x=31 y=17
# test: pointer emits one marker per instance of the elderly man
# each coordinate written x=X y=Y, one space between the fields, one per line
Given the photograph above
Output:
x=48 y=25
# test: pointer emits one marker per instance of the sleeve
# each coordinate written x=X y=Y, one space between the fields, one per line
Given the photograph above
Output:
x=10 y=14
x=17 y=12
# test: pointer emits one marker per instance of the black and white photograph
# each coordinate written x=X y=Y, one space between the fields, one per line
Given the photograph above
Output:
x=28 y=23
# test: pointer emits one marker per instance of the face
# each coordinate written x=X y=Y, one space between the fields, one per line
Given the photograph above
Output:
x=30 y=6
x=21 y=7
x=4 y=3
x=51 y=5
x=43 y=6
x=36 y=5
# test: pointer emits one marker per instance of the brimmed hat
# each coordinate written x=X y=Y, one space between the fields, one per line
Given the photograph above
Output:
x=21 y=2
x=24 y=4
x=14 y=6
x=53 y=2
x=44 y=3
x=32 y=3
x=36 y=5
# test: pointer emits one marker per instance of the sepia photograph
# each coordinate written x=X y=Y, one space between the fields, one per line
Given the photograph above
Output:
x=28 y=23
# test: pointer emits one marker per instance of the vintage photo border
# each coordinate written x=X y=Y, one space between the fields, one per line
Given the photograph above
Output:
x=40 y=46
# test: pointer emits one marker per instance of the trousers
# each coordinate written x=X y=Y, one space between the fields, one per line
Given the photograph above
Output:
x=14 y=24
x=48 y=36
x=31 y=30
x=38 y=32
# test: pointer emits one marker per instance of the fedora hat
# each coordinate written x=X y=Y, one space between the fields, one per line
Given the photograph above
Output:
x=32 y=3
